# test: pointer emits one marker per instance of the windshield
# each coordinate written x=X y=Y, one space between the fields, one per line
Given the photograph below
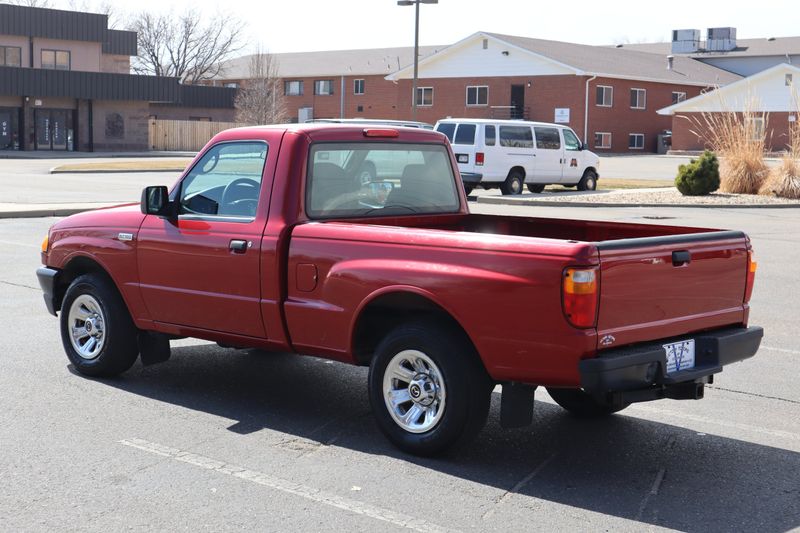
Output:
x=379 y=179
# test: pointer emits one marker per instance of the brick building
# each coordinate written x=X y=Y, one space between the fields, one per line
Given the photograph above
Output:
x=770 y=97
x=608 y=95
x=65 y=84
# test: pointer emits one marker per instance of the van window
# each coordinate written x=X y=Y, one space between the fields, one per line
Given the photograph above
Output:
x=489 y=134
x=448 y=128
x=465 y=134
x=547 y=138
x=571 y=142
x=516 y=136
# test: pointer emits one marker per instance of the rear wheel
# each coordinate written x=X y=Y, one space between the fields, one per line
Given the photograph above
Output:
x=468 y=188
x=581 y=404
x=428 y=388
x=514 y=183
x=536 y=187
x=97 y=332
x=588 y=181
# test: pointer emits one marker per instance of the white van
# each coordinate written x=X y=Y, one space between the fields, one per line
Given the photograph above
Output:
x=512 y=153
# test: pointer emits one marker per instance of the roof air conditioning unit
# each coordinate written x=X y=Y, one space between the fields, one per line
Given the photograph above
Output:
x=721 y=39
x=685 y=41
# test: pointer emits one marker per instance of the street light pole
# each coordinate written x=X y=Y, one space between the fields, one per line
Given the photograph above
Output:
x=416 y=4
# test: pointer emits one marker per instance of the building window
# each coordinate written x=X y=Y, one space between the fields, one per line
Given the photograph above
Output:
x=602 y=139
x=10 y=56
x=360 y=109
x=636 y=141
x=56 y=59
x=638 y=99
x=232 y=85
x=678 y=96
x=293 y=88
x=358 y=86
x=424 y=96
x=605 y=96
x=755 y=128
x=788 y=80
x=478 y=95
x=323 y=87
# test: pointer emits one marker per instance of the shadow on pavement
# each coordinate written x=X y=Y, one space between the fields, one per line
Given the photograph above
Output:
x=610 y=466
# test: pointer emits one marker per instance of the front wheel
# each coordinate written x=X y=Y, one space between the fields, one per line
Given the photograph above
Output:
x=582 y=404
x=97 y=332
x=588 y=181
x=428 y=388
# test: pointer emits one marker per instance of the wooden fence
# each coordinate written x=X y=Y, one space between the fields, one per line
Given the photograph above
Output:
x=184 y=135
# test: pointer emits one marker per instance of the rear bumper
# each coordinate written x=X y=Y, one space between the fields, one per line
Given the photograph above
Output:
x=638 y=373
x=47 y=281
x=471 y=178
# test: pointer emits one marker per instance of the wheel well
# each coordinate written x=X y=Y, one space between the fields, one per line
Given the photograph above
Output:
x=591 y=169
x=517 y=169
x=387 y=312
x=75 y=268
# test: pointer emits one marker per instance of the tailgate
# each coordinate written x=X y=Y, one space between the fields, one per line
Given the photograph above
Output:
x=658 y=287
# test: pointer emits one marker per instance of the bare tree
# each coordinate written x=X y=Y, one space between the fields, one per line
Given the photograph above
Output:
x=260 y=100
x=30 y=3
x=183 y=46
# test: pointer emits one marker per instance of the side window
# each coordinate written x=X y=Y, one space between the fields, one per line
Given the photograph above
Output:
x=547 y=138
x=448 y=128
x=226 y=182
x=571 y=142
x=490 y=135
x=465 y=134
x=516 y=136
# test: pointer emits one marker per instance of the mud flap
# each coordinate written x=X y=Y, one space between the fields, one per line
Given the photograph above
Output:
x=153 y=347
x=516 y=405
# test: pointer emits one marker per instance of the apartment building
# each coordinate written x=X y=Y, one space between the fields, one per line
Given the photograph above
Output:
x=65 y=84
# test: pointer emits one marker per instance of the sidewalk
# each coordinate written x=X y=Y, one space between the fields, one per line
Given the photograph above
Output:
x=18 y=154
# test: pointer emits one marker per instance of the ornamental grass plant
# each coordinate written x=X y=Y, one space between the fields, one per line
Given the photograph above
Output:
x=784 y=180
x=739 y=140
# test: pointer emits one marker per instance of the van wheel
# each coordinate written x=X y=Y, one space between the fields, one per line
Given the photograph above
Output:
x=582 y=404
x=97 y=332
x=588 y=181
x=468 y=188
x=428 y=389
x=513 y=183
x=536 y=187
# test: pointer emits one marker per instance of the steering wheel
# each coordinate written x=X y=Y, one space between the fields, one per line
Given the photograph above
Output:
x=227 y=193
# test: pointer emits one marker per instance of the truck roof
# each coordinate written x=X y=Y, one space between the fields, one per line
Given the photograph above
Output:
x=330 y=131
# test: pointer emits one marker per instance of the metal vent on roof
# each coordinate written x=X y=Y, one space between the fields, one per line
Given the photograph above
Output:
x=721 y=39
x=685 y=41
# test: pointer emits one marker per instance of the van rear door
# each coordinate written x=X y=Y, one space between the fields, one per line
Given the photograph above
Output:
x=464 y=147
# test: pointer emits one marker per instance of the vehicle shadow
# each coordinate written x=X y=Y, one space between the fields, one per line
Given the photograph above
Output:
x=620 y=466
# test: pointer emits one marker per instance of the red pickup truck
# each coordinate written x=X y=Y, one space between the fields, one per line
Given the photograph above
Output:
x=356 y=244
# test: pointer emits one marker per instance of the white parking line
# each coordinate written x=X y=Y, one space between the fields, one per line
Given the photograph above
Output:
x=289 y=487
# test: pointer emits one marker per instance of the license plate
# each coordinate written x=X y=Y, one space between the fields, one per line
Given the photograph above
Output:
x=680 y=355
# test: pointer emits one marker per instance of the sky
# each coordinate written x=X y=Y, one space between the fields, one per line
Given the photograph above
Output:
x=310 y=25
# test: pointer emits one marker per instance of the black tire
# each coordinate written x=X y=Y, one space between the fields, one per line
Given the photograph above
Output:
x=118 y=335
x=514 y=183
x=581 y=404
x=461 y=374
x=468 y=188
x=536 y=187
x=588 y=181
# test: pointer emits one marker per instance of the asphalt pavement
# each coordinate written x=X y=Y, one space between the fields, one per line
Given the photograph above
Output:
x=226 y=440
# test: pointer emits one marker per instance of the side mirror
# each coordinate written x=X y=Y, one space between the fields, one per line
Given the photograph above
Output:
x=155 y=201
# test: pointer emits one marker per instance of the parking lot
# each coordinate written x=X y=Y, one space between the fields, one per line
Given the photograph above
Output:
x=221 y=439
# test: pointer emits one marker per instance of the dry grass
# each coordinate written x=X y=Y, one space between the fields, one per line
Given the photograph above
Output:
x=128 y=166
x=739 y=141
x=784 y=180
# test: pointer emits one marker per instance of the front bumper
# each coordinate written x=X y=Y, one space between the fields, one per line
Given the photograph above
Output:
x=47 y=280
x=638 y=373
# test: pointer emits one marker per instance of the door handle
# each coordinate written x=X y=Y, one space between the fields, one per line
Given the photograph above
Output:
x=238 y=246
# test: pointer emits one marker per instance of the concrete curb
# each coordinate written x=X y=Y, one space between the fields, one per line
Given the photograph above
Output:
x=555 y=203
x=43 y=213
x=115 y=171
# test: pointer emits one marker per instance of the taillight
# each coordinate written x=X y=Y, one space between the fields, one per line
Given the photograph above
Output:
x=752 y=266
x=372 y=132
x=579 y=293
x=478 y=158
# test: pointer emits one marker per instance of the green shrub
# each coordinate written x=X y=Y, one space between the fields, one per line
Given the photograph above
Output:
x=700 y=176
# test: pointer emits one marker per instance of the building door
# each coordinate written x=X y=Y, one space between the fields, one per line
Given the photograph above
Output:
x=53 y=129
x=517 y=101
x=9 y=129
